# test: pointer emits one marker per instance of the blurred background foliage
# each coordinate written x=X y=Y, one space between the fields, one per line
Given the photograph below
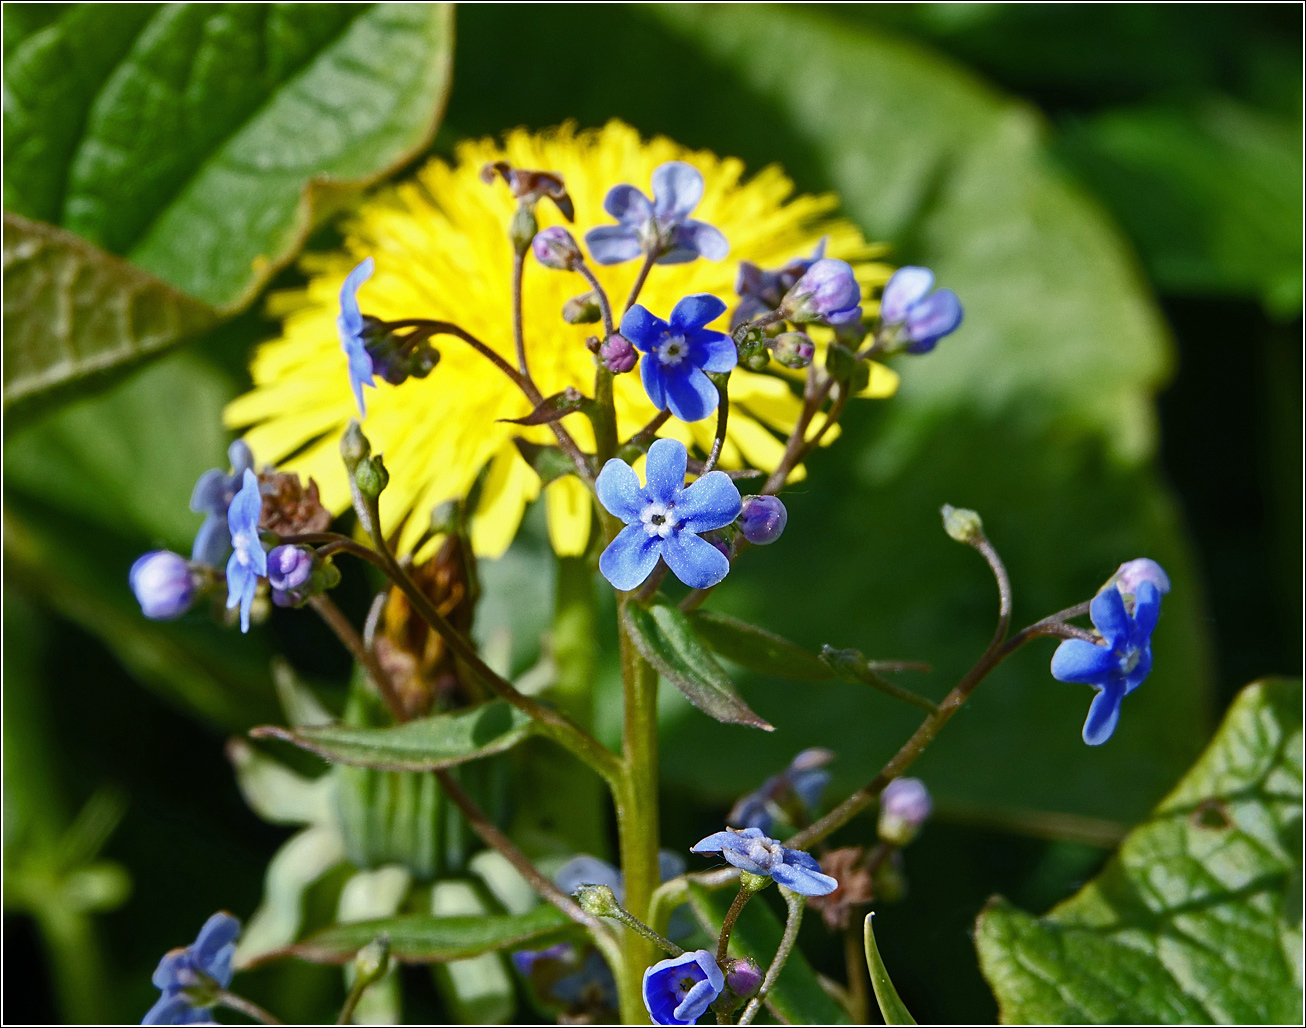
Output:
x=1114 y=191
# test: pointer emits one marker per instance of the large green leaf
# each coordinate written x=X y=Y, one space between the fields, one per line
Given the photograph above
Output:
x=72 y=311
x=798 y=996
x=1198 y=917
x=666 y=639
x=426 y=939
x=426 y=744
x=204 y=141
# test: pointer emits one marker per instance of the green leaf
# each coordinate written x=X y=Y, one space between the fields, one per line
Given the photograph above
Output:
x=555 y=408
x=891 y=1006
x=549 y=462
x=426 y=744
x=798 y=996
x=1198 y=917
x=73 y=311
x=666 y=639
x=426 y=939
x=756 y=648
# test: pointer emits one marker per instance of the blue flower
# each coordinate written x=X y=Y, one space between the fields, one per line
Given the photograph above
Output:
x=680 y=989
x=203 y=965
x=908 y=314
x=803 y=780
x=212 y=496
x=350 y=326
x=1117 y=666
x=584 y=869
x=664 y=519
x=750 y=850
x=248 y=561
x=662 y=226
x=163 y=585
x=761 y=291
x=679 y=353
x=828 y=292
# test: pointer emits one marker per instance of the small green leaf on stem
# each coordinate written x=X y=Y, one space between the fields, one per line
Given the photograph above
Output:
x=554 y=408
x=891 y=1007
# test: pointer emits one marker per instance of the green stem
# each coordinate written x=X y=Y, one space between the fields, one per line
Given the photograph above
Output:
x=795 y=903
x=637 y=817
x=674 y=893
x=748 y=887
x=251 y=1010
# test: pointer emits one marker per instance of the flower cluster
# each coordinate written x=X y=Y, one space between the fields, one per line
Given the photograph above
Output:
x=190 y=977
x=750 y=850
x=795 y=792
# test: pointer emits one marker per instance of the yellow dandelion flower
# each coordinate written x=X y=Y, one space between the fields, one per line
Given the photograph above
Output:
x=442 y=252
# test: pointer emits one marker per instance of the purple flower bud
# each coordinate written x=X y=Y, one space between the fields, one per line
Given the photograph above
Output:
x=743 y=977
x=289 y=567
x=793 y=349
x=618 y=354
x=827 y=292
x=905 y=805
x=762 y=519
x=1133 y=573
x=163 y=585
x=556 y=249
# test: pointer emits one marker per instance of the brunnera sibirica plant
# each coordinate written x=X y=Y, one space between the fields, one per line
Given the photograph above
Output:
x=658 y=346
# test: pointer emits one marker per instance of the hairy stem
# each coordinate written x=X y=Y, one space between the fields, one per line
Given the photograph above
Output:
x=795 y=903
x=649 y=258
x=250 y=1009
x=605 y=305
x=722 y=415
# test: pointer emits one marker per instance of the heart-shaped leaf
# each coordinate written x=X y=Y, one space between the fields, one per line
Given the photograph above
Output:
x=1197 y=919
x=666 y=639
x=426 y=744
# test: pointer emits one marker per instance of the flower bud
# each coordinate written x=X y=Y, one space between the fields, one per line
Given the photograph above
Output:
x=961 y=524
x=793 y=349
x=762 y=519
x=371 y=477
x=163 y=584
x=751 y=346
x=293 y=575
x=828 y=292
x=618 y=354
x=743 y=977
x=1133 y=573
x=598 y=900
x=372 y=961
x=555 y=248
x=583 y=309
x=523 y=228
x=354 y=445
x=905 y=805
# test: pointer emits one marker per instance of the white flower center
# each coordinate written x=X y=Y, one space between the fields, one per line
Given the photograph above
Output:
x=672 y=350
x=1130 y=659
x=659 y=519
x=765 y=852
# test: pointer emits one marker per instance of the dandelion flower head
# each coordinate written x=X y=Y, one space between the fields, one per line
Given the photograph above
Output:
x=441 y=249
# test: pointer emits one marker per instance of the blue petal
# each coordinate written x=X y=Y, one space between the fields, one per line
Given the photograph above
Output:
x=628 y=205
x=712 y=501
x=695 y=239
x=808 y=784
x=643 y=328
x=240 y=456
x=247 y=601
x=212 y=543
x=677 y=189
x=1147 y=609
x=934 y=317
x=1078 y=660
x=804 y=881
x=167 y=975
x=172 y=1008
x=618 y=490
x=1141 y=670
x=584 y=869
x=351 y=317
x=245 y=508
x=719 y=841
x=219 y=933
x=847 y=316
x=695 y=311
x=613 y=244
x=1107 y=610
x=692 y=396
x=361 y=369
x=654 y=378
x=744 y=862
x=802 y=859
x=237 y=576
x=1103 y=715
x=752 y=811
x=696 y=1002
x=694 y=561
x=664 y=471
x=630 y=557
x=210 y=493
x=711 y=351
x=670 y=865
x=907 y=285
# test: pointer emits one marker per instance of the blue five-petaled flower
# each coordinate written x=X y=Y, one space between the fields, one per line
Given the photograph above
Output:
x=212 y=496
x=664 y=519
x=248 y=560
x=750 y=850
x=679 y=990
x=204 y=964
x=349 y=323
x=1116 y=667
x=914 y=315
x=678 y=352
x=662 y=226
